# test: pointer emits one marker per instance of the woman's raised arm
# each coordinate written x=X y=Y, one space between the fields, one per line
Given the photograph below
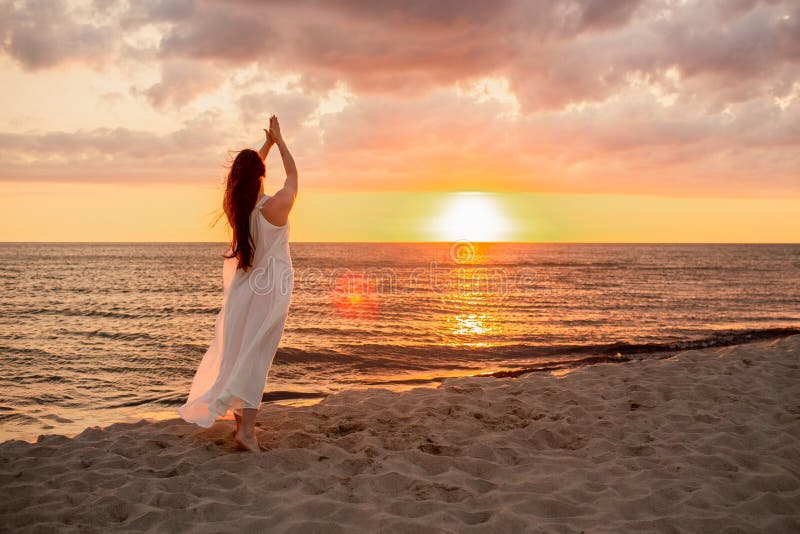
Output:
x=268 y=142
x=276 y=209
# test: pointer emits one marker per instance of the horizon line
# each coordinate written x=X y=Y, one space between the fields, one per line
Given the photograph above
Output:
x=414 y=242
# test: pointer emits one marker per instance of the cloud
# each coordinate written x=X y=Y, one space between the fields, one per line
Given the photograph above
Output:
x=553 y=53
x=633 y=144
x=378 y=47
x=620 y=95
x=447 y=141
x=46 y=33
x=181 y=82
x=294 y=108
x=142 y=12
x=112 y=154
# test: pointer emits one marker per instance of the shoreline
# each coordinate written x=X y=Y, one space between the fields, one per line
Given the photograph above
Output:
x=578 y=358
x=705 y=439
x=624 y=352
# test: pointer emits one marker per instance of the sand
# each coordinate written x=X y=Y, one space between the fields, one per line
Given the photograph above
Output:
x=705 y=441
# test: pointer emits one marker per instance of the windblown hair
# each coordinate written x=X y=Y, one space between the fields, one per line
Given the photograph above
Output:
x=241 y=193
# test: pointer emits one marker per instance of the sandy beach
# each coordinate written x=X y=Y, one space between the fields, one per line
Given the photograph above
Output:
x=701 y=441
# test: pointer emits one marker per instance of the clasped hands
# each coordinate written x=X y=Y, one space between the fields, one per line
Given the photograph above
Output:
x=274 y=132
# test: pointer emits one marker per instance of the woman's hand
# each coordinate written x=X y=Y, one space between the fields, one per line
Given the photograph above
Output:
x=275 y=129
x=270 y=140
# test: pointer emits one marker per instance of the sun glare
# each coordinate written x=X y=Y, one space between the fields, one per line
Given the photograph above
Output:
x=471 y=216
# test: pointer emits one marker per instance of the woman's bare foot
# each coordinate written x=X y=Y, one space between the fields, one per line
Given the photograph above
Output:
x=248 y=442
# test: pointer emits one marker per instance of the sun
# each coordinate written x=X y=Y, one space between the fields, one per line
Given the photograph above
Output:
x=473 y=216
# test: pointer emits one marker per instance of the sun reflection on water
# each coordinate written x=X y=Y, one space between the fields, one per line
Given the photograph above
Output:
x=470 y=324
x=472 y=329
x=473 y=324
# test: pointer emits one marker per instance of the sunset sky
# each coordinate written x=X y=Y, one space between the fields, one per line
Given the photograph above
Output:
x=643 y=121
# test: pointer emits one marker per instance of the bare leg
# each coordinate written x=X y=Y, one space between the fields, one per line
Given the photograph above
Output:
x=238 y=423
x=246 y=434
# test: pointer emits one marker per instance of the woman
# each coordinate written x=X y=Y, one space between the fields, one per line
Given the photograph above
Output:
x=257 y=280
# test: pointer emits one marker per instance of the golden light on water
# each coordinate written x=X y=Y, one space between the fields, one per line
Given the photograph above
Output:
x=470 y=324
x=472 y=216
x=474 y=326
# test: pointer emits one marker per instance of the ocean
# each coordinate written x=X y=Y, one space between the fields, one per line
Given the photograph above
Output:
x=92 y=334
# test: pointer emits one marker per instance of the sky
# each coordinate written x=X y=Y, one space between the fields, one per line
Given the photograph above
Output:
x=567 y=120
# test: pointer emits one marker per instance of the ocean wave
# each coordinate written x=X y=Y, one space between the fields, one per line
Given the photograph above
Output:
x=138 y=313
x=436 y=356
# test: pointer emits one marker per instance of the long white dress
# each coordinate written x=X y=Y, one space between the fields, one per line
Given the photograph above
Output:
x=233 y=371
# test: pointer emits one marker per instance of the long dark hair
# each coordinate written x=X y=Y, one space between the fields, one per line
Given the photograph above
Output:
x=241 y=193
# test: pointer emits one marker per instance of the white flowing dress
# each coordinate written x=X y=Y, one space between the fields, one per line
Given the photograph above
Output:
x=255 y=303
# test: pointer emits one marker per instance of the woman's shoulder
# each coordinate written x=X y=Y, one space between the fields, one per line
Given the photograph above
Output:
x=265 y=215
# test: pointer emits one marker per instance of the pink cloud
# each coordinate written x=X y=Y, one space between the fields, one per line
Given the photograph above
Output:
x=181 y=82
x=41 y=35
x=643 y=96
